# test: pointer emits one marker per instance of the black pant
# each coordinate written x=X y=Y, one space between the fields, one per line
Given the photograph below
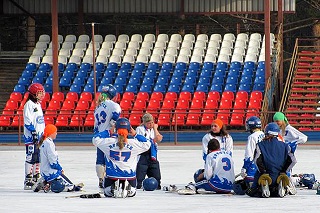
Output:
x=148 y=167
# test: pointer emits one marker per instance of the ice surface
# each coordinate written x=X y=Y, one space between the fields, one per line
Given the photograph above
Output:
x=178 y=163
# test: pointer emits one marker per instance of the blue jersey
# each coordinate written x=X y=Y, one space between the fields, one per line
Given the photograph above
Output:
x=121 y=163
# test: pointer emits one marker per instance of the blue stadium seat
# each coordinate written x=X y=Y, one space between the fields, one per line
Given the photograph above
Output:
x=132 y=88
x=65 y=82
x=202 y=87
x=61 y=67
x=72 y=66
x=233 y=72
x=49 y=80
x=160 y=88
x=48 y=88
x=260 y=72
x=109 y=74
x=139 y=66
x=205 y=73
x=31 y=67
x=27 y=73
x=79 y=81
x=163 y=80
x=232 y=80
x=220 y=73
x=249 y=64
x=204 y=80
x=230 y=87
x=75 y=88
x=178 y=73
x=167 y=66
x=261 y=64
x=153 y=66
x=19 y=88
x=24 y=81
x=217 y=80
x=90 y=80
x=120 y=81
x=176 y=81
x=236 y=64
x=247 y=72
x=188 y=88
x=194 y=66
x=126 y=66
x=136 y=73
x=85 y=66
x=119 y=88
x=68 y=74
x=82 y=73
x=181 y=66
x=134 y=80
x=112 y=66
x=164 y=72
x=259 y=87
x=259 y=80
x=123 y=73
x=148 y=81
x=246 y=80
x=190 y=80
x=216 y=87
x=245 y=87
x=106 y=80
x=208 y=66
x=146 y=88
x=88 y=88
x=44 y=66
x=100 y=66
x=174 y=88
x=41 y=73
x=192 y=73
x=151 y=72
x=39 y=80
x=222 y=65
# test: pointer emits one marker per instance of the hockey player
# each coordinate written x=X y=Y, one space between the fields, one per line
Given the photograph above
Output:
x=121 y=158
x=32 y=131
x=148 y=163
x=292 y=137
x=249 y=168
x=51 y=170
x=105 y=116
x=273 y=159
x=218 y=174
x=219 y=132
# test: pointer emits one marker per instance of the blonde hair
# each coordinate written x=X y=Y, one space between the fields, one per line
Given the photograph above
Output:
x=122 y=138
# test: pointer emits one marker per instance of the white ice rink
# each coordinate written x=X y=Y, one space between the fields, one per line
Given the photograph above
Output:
x=178 y=163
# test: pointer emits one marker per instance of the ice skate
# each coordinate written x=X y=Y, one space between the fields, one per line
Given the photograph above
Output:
x=265 y=190
x=291 y=188
x=117 y=190
x=36 y=177
x=38 y=185
x=170 y=188
x=189 y=189
x=28 y=183
x=281 y=190
x=101 y=183
x=125 y=188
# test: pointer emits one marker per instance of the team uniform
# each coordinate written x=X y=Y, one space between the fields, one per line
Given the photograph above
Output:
x=120 y=163
x=105 y=116
x=33 y=129
x=148 y=163
x=248 y=162
x=226 y=143
x=218 y=173
x=51 y=170
x=293 y=137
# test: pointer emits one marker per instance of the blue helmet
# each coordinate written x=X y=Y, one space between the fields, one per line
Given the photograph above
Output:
x=57 y=185
x=308 y=180
x=123 y=123
x=253 y=123
x=109 y=90
x=272 y=129
x=150 y=184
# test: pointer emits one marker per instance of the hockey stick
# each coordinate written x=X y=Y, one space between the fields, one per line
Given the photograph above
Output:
x=94 y=195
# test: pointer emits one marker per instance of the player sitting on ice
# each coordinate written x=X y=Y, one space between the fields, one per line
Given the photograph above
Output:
x=121 y=156
x=273 y=159
x=51 y=171
x=218 y=173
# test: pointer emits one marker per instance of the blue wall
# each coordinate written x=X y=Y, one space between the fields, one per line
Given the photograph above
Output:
x=168 y=137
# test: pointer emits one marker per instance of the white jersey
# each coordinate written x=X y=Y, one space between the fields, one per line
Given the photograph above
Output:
x=219 y=169
x=105 y=115
x=253 y=139
x=33 y=120
x=148 y=133
x=121 y=164
x=226 y=143
x=49 y=167
x=294 y=135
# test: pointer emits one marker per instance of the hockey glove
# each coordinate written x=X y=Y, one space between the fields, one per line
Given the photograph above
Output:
x=263 y=178
x=284 y=178
x=35 y=137
x=243 y=173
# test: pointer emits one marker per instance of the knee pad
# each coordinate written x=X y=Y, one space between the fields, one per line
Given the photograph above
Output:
x=100 y=169
x=196 y=174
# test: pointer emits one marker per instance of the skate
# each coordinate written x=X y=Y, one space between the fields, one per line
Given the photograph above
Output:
x=265 y=190
x=291 y=188
x=36 y=177
x=28 y=183
x=38 y=185
x=46 y=188
x=281 y=190
x=116 y=190
x=189 y=189
x=170 y=188
x=125 y=187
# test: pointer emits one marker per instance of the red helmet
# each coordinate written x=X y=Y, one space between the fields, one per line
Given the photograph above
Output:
x=37 y=90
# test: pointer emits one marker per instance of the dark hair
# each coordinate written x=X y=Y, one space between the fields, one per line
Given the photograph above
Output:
x=213 y=144
x=223 y=132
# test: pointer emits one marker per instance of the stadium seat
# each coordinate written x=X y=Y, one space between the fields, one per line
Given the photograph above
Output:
x=143 y=96
x=157 y=96
x=58 y=96
x=160 y=88
x=89 y=121
x=17 y=96
x=62 y=121
x=130 y=96
x=135 y=119
x=174 y=88
x=19 y=88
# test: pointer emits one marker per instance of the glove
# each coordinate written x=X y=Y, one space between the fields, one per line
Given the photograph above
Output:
x=284 y=178
x=263 y=179
x=243 y=173
x=35 y=137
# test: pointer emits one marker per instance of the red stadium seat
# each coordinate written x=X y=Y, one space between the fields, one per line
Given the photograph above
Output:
x=11 y=105
x=164 y=119
x=58 y=96
x=48 y=119
x=207 y=119
x=185 y=95
x=125 y=106
x=89 y=121
x=227 y=95
x=135 y=120
x=17 y=121
x=237 y=119
x=157 y=96
x=5 y=121
x=130 y=96
x=142 y=96
x=68 y=105
x=256 y=95
x=179 y=119
x=54 y=105
x=200 y=95
x=193 y=119
x=76 y=121
x=213 y=95
x=242 y=95
x=171 y=96
x=17 y=96
x=62 y=121
x=82 y=105
x=168 y=105
x=72 y=96
x=86 y=96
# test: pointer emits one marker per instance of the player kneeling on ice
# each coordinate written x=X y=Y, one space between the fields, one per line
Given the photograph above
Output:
x=273 y=159
x=51 y=171
x=121 y=159
x=218 y=174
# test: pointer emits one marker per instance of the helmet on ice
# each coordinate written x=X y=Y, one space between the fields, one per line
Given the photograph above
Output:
x=150 y=184
x=57 y=185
